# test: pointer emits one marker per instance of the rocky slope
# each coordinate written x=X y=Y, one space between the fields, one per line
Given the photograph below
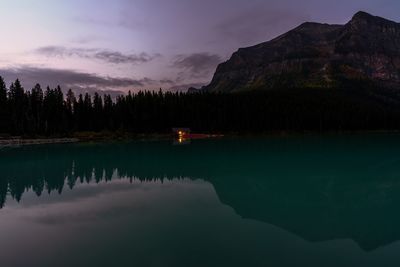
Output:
x=317 y=55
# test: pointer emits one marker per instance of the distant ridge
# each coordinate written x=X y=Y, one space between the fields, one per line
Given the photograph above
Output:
x=316 y=55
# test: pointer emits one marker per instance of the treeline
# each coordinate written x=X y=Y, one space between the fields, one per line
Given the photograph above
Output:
x=48 y=112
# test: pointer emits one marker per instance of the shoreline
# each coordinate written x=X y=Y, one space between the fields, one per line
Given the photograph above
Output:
x=39 y=141
x=99 y=137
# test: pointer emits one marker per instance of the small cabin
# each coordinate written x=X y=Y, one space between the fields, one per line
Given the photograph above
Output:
x=181 y=132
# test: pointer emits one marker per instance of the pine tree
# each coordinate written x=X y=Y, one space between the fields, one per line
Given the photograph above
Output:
x=97 y=112
x=4 y=118
x=108 y=122
x=70 y=106
x=3 y=91
x=17 y=107
x=36 y=102
x=87 y=115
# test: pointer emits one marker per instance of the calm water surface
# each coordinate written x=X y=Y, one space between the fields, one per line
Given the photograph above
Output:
x=274 y=201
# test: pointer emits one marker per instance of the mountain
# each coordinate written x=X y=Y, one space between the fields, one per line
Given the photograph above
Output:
x=315 y=55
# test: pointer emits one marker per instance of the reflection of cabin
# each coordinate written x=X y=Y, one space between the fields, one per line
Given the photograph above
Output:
x=181 y=132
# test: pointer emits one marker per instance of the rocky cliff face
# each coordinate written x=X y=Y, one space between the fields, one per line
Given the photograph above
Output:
x=317 y=55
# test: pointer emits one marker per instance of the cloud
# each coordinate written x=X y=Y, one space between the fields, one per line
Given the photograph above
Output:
x=78 y=81
x=119 y=58
x=108 y=56
x=167 y=81
x=197 y=65
x=60 y=51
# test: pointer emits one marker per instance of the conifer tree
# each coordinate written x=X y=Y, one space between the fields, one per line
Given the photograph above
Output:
x=4 y=118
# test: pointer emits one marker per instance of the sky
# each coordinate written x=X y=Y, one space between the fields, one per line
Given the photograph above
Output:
x=120 y=45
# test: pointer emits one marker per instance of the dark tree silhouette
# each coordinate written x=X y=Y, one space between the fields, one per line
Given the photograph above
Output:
x=4 y=116
x=18 y=107
x=50 y=113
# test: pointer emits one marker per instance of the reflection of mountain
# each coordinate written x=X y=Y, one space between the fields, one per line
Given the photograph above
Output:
x=319 y=189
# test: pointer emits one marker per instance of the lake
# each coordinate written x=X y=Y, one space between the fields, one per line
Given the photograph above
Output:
x=265 y=201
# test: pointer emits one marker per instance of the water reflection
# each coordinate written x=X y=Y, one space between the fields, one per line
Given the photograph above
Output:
x=319 y=189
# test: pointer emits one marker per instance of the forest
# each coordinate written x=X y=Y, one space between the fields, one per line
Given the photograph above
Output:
x=50 y=112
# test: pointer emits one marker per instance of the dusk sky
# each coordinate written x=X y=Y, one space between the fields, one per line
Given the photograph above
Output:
x=147 y=44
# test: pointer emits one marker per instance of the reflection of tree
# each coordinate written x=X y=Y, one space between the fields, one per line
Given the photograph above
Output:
x=51 y=168
x=316 y=189
x=3 y=191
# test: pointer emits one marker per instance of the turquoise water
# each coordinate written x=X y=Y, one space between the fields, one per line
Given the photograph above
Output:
x=271 y=201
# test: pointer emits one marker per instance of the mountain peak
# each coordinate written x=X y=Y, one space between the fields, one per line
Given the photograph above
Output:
x=366 y=18
x=361 y=15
